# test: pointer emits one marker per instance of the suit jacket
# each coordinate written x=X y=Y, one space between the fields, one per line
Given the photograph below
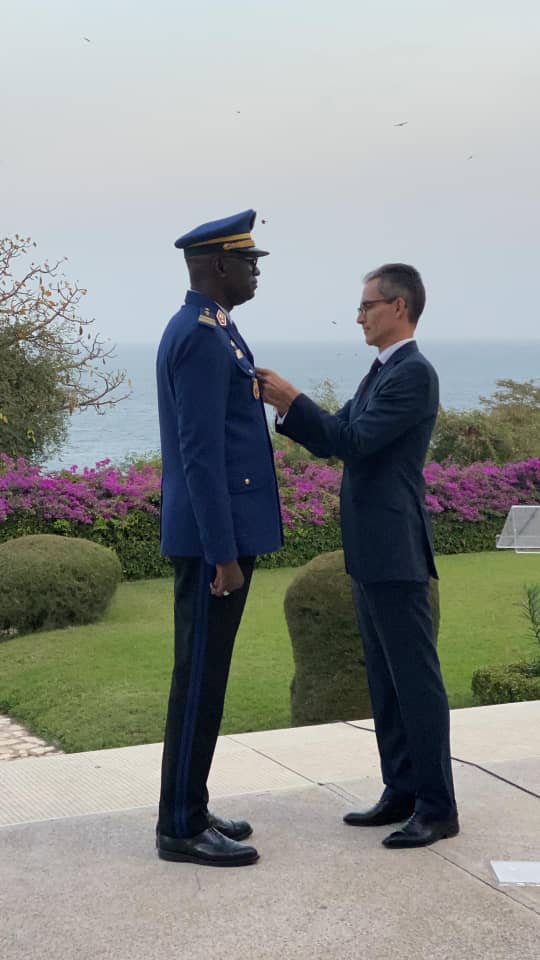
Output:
x=219 y=491
x=382 y=436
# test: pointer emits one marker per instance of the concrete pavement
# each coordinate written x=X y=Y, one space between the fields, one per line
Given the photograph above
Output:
x=80 y=878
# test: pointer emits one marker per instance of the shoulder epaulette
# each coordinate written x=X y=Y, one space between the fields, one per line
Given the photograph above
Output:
x=207 y=318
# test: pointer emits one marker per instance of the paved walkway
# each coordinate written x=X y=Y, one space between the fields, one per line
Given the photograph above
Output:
x=17 y=742
x=81 y=879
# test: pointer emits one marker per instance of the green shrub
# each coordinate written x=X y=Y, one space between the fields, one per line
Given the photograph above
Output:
x=517 y=681
x=135 y=539
x=468 y=436
x=506 y=429
x=330 y=681
x=302 y=544
x=453 y=535
x=514 y=409
x=450 y=535
x=48 y=582
x=531 y=609
x=508 y=684
x=150 y=458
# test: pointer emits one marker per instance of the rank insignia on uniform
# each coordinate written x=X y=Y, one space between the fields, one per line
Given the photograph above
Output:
x=256 y=390
x=239 y=354
x=221 y=318
x=207 y=319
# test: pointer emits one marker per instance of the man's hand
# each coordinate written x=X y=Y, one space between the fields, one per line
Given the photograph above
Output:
x=229 y=577
x=276 y=391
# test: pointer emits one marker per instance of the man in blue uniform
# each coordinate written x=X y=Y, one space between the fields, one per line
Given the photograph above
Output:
x=220 y=508
x=382 y=435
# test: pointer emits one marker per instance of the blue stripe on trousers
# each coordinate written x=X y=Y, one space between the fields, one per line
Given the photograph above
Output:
x=200 y=636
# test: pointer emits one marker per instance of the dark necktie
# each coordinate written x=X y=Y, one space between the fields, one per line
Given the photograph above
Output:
x=368 y=380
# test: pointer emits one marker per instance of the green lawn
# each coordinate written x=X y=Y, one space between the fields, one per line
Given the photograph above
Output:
x=107 y=684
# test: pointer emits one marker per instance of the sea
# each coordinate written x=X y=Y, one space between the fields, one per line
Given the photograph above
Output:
x=467 y=371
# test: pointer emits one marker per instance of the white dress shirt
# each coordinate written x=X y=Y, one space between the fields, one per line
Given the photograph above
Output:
x=388 y=351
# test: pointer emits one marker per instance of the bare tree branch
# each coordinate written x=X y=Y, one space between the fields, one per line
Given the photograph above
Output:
x=39 y=311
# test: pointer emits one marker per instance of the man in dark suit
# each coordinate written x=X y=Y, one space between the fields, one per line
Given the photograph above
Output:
x=382 y=435
x=219 y=509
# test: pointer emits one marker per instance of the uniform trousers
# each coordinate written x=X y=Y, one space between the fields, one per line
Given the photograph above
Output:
x=205 y=628
x=410 y=706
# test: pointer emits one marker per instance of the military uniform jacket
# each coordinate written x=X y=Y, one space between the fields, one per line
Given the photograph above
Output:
x=219 y=491
x=382 y=436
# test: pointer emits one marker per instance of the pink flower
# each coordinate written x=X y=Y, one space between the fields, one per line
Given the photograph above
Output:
x=309 y=491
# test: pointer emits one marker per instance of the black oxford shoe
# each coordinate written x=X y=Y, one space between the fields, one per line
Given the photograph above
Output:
x=384 y=812
x=209 y=848
x=233 y=829
x=419 y=832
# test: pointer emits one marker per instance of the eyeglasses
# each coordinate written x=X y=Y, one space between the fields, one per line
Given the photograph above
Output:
x=251 y=261
x=368 y=304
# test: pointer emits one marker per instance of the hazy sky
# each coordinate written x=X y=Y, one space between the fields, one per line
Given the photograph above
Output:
x=112 y=148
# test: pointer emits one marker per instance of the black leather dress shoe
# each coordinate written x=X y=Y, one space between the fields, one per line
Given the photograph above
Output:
x=233 y=829
x=384 y=812
x=209 y=848
x=419 y=832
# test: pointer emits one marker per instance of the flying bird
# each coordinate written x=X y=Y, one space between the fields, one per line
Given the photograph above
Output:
x=402 y=124
x=334 y=322
x=471 y=156
x=87 y=40
x=264 y=221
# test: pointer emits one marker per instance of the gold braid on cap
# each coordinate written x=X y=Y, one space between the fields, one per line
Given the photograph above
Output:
x=240 y=241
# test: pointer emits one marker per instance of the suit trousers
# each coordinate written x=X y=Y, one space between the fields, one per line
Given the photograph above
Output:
x=205 y=628
x=410 y=706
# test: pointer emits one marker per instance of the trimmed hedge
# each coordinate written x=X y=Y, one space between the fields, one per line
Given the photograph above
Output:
x=47 y=582
x=135 y=539
x=452 y=535
x=330 y=680
x=302 y=544
x=508 y=684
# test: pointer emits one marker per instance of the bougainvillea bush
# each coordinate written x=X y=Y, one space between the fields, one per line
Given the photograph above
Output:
x=80 y=497
x=473 y=493
x=120 y=507
x=481 y=490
